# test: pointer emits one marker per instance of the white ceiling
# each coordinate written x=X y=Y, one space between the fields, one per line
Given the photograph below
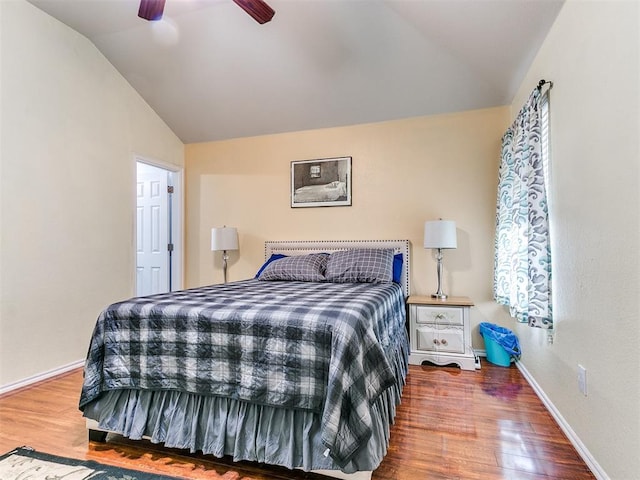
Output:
x=211 y=72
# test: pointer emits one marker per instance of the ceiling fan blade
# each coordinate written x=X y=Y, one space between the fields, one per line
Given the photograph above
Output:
x=151 y=9
x=259 y=10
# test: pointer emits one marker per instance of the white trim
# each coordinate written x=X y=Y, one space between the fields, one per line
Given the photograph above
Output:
x=157 y=163
x=591 y=462
x=40 y=377
x=177 y=231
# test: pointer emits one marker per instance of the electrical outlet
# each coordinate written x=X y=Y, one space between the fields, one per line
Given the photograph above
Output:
x=582 y=380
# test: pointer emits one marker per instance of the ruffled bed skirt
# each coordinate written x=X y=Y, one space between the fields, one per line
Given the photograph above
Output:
x=244 y=431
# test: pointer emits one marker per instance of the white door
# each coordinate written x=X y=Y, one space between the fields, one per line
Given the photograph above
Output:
x=152 y=230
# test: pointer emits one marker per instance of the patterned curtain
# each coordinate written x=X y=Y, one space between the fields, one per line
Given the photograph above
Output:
x=522 y=274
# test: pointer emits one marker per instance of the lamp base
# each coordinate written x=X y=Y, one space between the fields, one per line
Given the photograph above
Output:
x=439 y=296
x=225 y=257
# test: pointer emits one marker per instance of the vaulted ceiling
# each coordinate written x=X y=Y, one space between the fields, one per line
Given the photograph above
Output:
x=211 y=72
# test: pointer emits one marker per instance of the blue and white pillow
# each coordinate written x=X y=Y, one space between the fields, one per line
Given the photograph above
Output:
x=301 y=268
x=272 y=258
x=362 y=265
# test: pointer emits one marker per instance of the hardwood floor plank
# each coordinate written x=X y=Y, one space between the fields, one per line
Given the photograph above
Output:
x=452 y=424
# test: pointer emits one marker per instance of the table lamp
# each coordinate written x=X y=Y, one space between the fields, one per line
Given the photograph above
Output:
x=224 y=239
x=440 y=234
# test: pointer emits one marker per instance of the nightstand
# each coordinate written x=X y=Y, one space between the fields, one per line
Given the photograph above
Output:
x=440 y=332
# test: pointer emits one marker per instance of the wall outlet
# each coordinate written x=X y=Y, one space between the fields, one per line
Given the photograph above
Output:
x=582 y=380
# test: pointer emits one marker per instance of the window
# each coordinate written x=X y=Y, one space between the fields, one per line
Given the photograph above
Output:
x=522 y=275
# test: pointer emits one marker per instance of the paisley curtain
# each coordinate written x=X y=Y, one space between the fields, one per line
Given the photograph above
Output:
x=522 y=269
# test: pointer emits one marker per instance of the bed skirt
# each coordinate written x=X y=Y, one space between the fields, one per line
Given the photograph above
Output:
x=244 y=431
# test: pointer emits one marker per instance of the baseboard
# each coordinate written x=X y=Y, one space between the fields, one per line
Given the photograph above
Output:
x=40 y=377
x=591 y=462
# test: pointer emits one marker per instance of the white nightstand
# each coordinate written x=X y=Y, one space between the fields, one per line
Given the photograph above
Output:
x=440 y=332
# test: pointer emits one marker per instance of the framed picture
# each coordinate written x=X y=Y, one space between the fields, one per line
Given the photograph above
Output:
x=324 y=182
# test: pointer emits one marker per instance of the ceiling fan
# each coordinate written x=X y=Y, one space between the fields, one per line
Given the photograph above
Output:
x=259 y=10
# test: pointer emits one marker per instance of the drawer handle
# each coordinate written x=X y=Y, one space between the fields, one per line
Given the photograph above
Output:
x=441 y=316
x=435 y=341
x=443 y=341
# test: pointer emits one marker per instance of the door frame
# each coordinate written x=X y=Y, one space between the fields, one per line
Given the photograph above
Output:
x=177 y=220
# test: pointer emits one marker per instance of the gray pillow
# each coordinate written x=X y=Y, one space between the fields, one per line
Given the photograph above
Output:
x=302 y=268
x=362 y=265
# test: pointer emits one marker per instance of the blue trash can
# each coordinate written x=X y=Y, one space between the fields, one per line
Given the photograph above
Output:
x=501 y=344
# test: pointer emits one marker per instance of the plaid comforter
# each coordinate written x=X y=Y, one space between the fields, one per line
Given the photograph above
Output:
x=323 y=347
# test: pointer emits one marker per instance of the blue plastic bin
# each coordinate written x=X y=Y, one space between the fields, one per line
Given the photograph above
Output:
x=495 y=353
x=500 y=343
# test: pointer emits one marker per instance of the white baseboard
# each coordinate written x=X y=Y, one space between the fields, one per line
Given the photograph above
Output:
x=594 y=466
x=40 y=377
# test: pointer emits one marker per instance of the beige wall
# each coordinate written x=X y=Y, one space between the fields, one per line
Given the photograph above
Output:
x=404 y=172
x=592 y=55
x=70 y=128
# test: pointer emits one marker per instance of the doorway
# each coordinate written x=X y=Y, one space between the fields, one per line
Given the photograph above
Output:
x=158 y=238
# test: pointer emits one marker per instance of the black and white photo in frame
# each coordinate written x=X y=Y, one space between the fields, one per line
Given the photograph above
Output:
x=322 y=182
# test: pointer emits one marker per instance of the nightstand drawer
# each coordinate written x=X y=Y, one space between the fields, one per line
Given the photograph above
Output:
x=440 y=339
x=438 y=315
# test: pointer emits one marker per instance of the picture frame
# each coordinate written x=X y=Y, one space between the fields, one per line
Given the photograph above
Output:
x=324 y=182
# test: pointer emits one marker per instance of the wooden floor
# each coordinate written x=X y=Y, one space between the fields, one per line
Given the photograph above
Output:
x=452 y=424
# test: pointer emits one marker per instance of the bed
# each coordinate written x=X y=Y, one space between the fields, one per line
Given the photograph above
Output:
x=328 y=192
x=301 y=372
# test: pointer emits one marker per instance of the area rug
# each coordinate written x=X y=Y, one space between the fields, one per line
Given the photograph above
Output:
x=25 y=463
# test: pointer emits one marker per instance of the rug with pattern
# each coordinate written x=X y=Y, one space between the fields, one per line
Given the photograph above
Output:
x=25 y=463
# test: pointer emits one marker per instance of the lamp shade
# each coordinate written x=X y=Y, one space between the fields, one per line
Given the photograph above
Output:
x=440 y=234
x=224 y=238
